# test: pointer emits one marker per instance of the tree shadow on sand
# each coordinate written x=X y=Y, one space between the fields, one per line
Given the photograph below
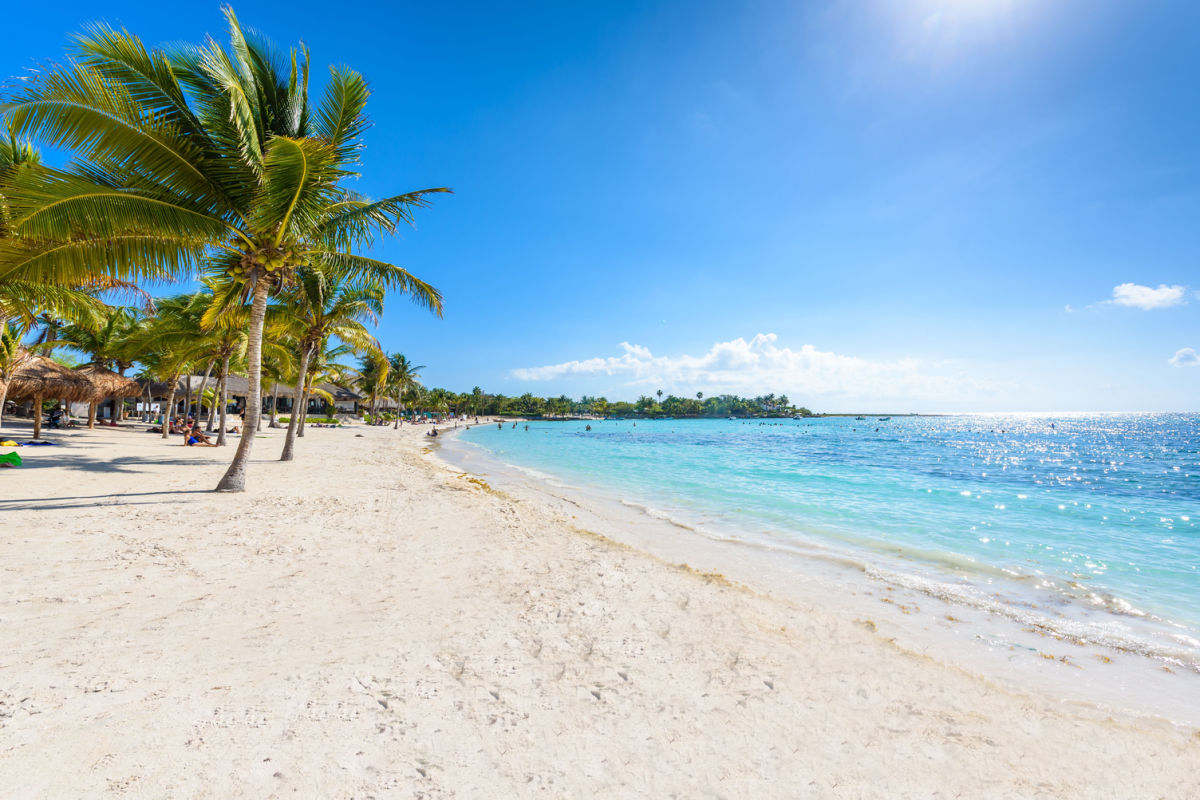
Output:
x=119 y=464
x=92 y=501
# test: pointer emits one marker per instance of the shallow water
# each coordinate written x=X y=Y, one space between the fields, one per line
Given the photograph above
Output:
x=1087 y=525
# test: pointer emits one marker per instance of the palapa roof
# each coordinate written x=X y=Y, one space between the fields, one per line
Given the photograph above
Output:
x=340 y=392
x=238 y=387
x=107 y=383
x=41 y=377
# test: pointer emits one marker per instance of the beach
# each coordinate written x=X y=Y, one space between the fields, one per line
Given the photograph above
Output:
x=369 y=621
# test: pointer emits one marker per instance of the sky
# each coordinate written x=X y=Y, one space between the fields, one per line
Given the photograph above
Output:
x=867 y=205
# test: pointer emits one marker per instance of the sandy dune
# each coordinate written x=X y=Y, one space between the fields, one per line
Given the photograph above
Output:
x=367 y=622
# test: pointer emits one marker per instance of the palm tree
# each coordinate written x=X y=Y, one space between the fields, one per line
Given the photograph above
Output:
x=318 y=307
x=104 y=341
x=325 y=367
x=277 y=368
x=372 y=377
x=476 y=400
x=166 y=347
x=402 y=377
x=438 y=401
x=413 y=397
x=201 y=157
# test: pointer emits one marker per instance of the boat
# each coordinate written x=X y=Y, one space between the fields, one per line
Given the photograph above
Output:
x=860 y=419
x=884 y=419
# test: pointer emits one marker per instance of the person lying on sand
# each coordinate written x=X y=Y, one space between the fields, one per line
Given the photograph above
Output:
x=196 y=438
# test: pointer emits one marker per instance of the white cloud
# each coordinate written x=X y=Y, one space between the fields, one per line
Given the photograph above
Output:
x=1185 y=357
x=1146 y=298
x=762 y=365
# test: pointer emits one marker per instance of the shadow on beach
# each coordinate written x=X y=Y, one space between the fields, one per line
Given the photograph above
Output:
x=91 y=501
x=105 y=451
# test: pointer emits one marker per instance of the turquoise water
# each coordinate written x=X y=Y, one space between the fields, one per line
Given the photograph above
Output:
x=1097 y=512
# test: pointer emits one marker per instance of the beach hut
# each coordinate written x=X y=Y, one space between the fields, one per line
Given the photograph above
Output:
x=38 y=378
x=107 y=384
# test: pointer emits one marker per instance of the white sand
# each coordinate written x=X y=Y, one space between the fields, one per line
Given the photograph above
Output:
x=366 y=622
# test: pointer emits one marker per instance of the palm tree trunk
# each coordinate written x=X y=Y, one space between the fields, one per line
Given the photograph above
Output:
x=274 y=403
x=224 y=399
x=169 y=411
x=187 y=409
x=37 y=417
x=91 y=415
x=3 y=399
x=289 y=442
x=200 y=400
x=303 y=411
x=396 y=426
x=234 y=479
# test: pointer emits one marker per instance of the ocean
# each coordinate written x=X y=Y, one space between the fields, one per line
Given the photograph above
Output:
x=1086 y=525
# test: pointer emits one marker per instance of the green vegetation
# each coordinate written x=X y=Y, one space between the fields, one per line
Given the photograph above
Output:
x=477 y=402
x=208 y=160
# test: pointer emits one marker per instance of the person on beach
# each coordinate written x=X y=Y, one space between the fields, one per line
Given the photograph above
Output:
x=433 y=433
x=196 y=438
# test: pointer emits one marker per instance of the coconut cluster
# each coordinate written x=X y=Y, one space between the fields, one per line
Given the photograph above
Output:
x=270 y=258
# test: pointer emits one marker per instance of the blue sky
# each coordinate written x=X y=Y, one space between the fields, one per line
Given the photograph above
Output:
x=928 y=205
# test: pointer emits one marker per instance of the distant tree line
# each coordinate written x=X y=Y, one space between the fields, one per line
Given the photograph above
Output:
x=479 y=402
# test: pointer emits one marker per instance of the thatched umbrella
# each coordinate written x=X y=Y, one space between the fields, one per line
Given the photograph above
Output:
x=106 y=384
x=39 y=377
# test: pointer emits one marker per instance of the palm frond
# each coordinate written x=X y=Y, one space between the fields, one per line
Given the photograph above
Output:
x=355 y=222
x=47 y=203
x=299 y=179
x=147 y=75
x=77 y=107
x=133 y=257
x=340 y=118
x=356 y=267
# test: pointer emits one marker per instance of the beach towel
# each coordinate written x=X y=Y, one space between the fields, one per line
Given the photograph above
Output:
x=8 y=443
x=36 y=444
x=10 y=460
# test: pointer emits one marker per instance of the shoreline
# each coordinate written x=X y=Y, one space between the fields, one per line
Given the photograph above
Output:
x=368 y=620
x=924 y=611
